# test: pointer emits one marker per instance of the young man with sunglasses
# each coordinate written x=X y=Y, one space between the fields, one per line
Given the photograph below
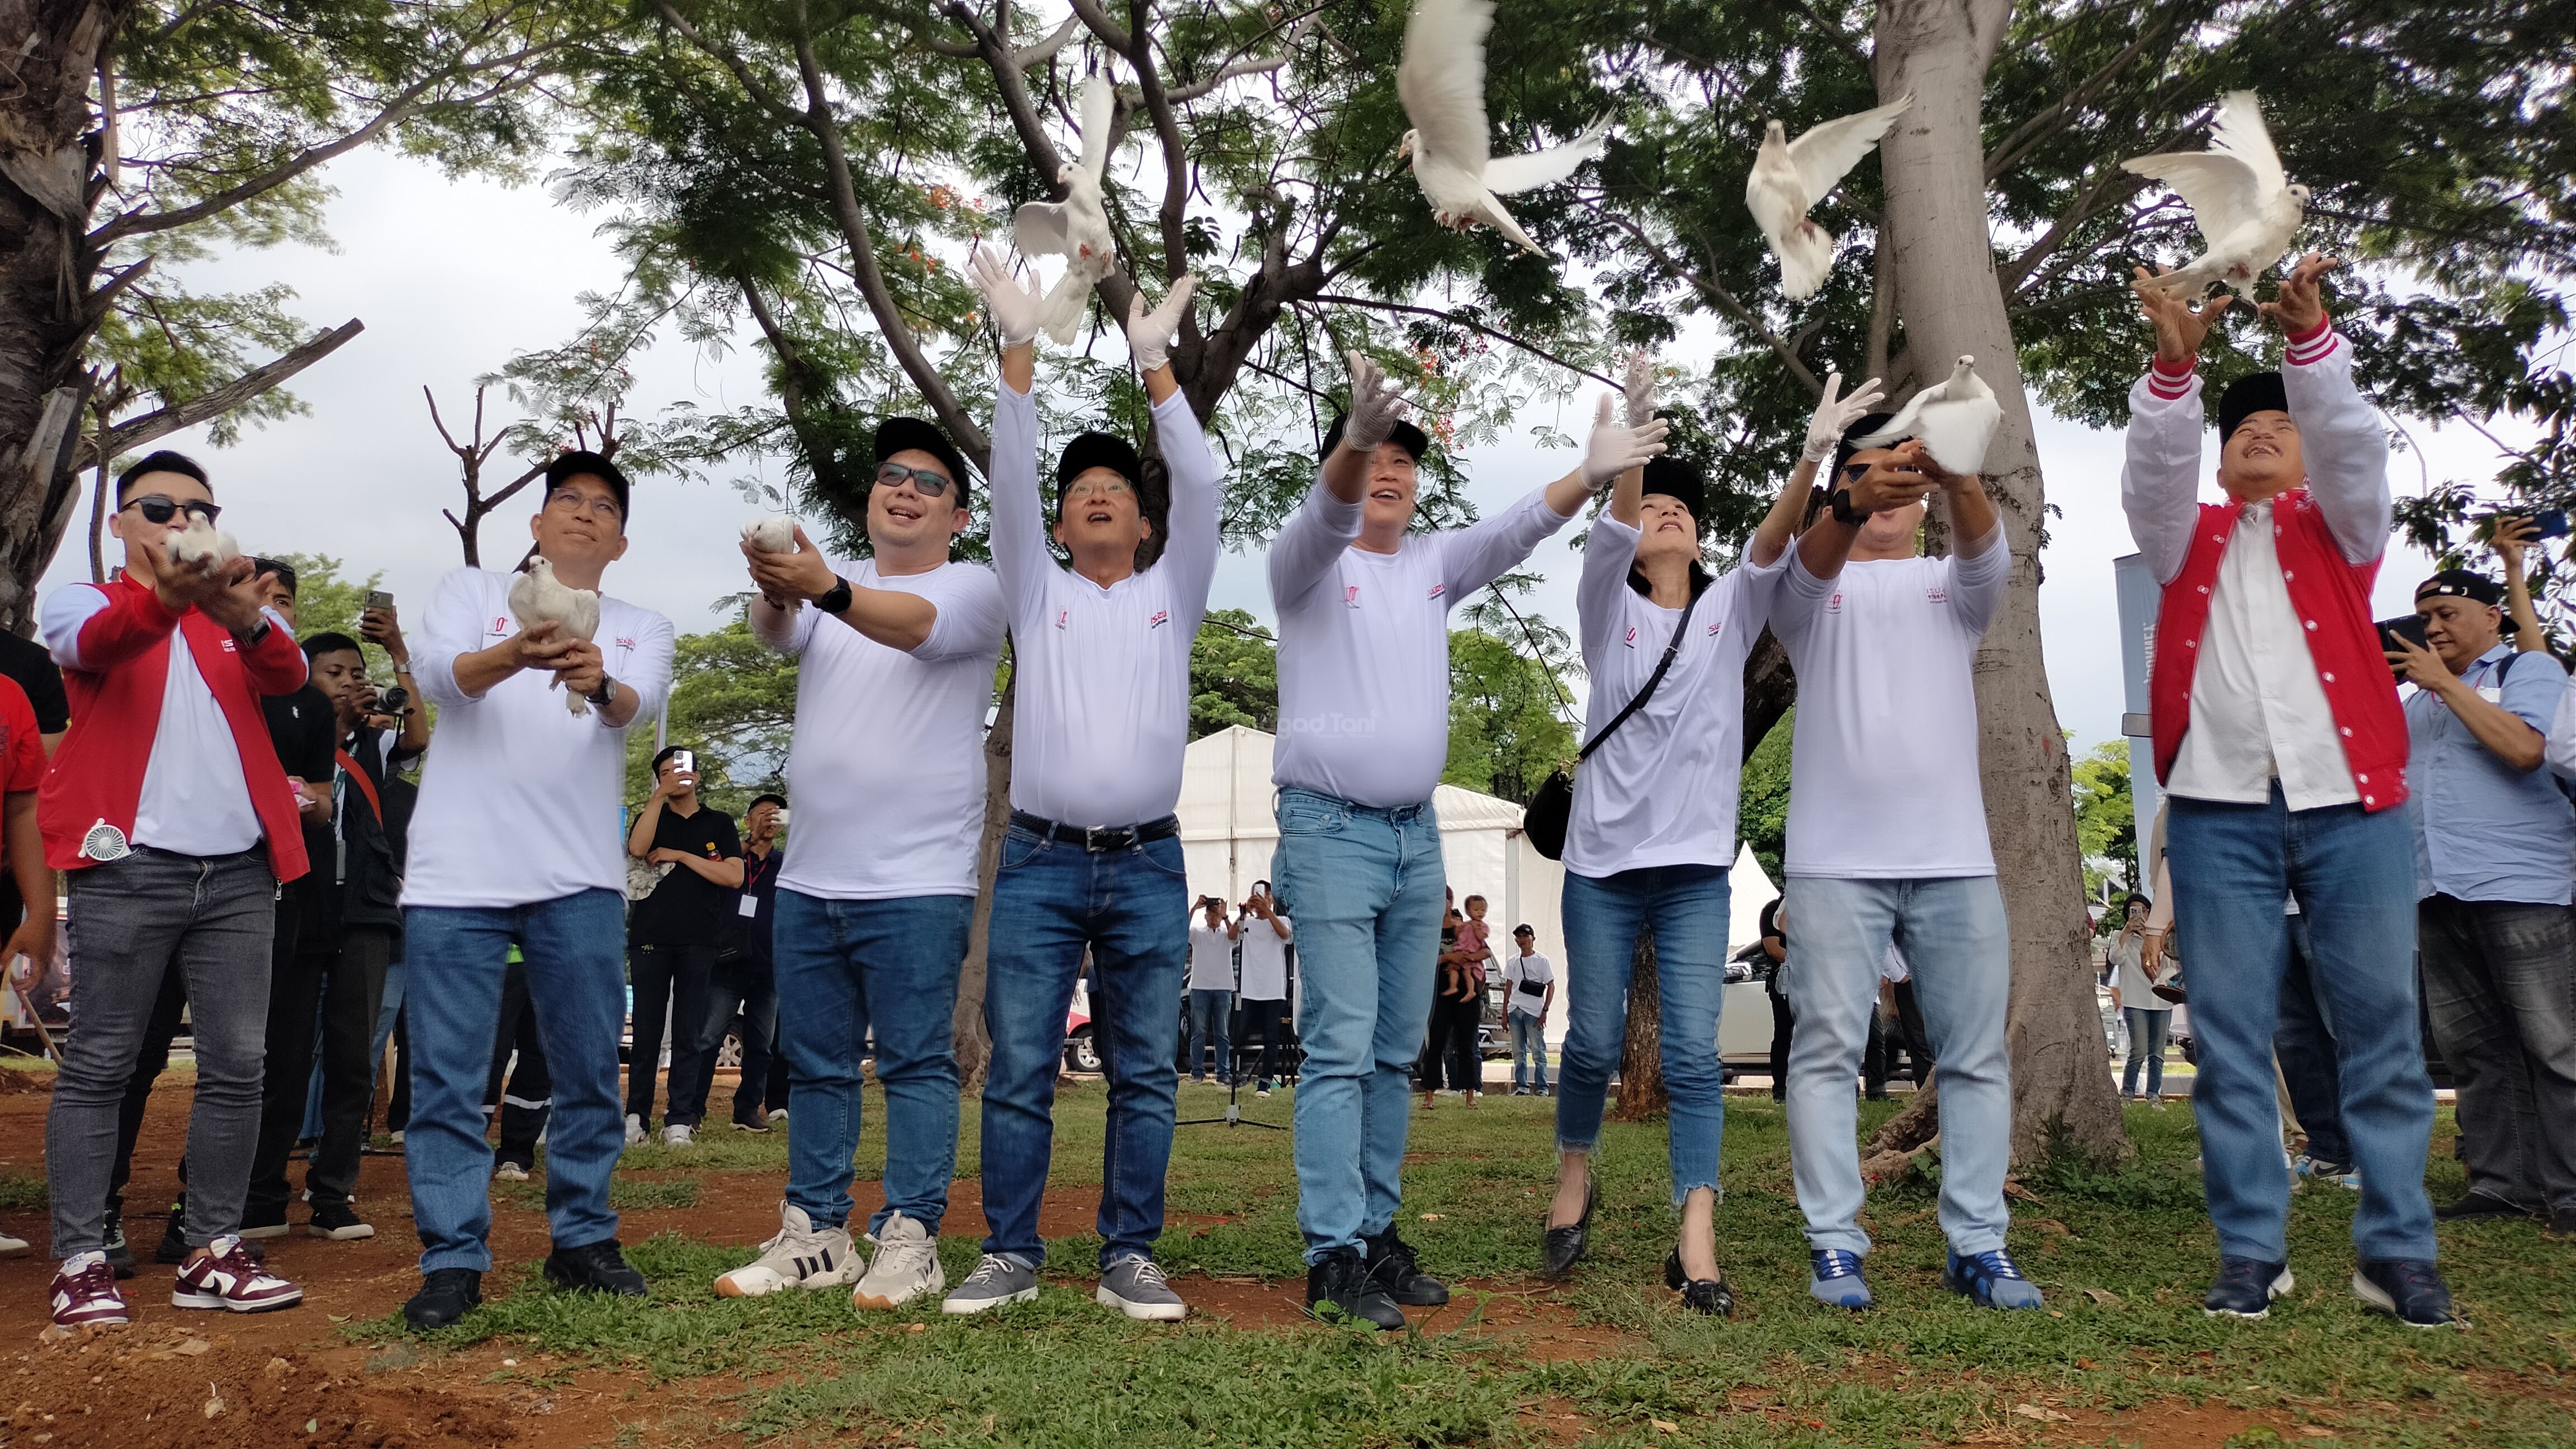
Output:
x=1093 y=857
x=515 y=842
x=170 y=813
x=895 y=657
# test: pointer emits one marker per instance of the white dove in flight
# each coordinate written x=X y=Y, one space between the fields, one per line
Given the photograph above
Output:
x=1076 y=228
x=1442 y=84
x=1791 y=176
x=2246 y=208
x=538 y=597
x=1955 y=418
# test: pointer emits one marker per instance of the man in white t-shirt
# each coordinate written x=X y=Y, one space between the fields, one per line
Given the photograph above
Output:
x=1265 y=935
x=516 y=840
x=1887 y=843
x=895 y=657
x=1529 y=989
x=1363 y=735
x=1211 y=991
x=1101 y=667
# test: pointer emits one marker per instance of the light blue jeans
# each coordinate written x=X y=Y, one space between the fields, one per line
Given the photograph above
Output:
x=575 y=948
x=2146 y=1050
x=1954 y=937
x=1529 y=1051
x=1364 y=886
x=1686 y=906
x=841 y=968
x=2354 y=876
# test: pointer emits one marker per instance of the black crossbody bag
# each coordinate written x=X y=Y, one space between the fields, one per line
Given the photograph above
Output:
x=1553 y=806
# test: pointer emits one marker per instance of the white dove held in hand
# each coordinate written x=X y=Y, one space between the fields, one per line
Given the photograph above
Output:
x=771 y=533
x=538 y=597
x=1791 y=176
x=1442 y=84
x=2246 y=208
x=1956 y=419
x=201 y=546
x=1076 y=228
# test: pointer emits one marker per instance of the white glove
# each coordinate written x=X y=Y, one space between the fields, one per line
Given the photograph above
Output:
x=1614 y=449
x=1833 y=419
x=1641 y=388
x=1150 y=334
x=1014 y=304
x=1376 y=405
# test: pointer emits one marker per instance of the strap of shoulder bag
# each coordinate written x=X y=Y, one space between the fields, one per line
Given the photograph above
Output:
x=1661 y=667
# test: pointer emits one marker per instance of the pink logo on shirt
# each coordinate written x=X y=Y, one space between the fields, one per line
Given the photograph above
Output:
x=1834 y=604
x=625 y=643
x=1351 y=595
x=1161 y=617
x=1631 y=640
x=1714 y=625
x=1060 y=617
x=1937 y=594
x=500 y=626
x=1436 y=591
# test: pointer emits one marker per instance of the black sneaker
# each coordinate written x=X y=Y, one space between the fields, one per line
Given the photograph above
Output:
x=2411 y=1290
x=1340 y=1290
x=2480 y=1205
x=333 y=1218
x=1392 y=1268
x=174 y=1236
x=1699 y=1295
x=2246 y=1287
x=120 y=1253
x=446 y=1295
x=268 y=1223
x=2562 y=1220
x=594 y=1268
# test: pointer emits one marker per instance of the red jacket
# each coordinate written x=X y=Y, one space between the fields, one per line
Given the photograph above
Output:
x=97 y=774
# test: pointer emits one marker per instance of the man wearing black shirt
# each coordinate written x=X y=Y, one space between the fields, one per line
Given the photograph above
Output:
x=742 y=973
x=673 y=936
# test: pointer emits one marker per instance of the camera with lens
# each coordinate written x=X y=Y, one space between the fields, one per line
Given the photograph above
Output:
x=392 y=700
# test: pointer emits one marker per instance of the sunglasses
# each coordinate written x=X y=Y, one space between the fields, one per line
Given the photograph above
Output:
x=1854 y=472
x=924 y=482
x=158 y=508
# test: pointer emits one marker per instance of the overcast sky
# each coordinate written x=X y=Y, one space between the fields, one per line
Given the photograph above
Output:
x=453 y=278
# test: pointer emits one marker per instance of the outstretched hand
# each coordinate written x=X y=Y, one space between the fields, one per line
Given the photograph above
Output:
x=2296 y=307
x=1014 y=303
x=1834 y=416
x=1376 y=406
x=2180 y=323
x=1150 y=334
x=1616 y=447
x=1640 y=388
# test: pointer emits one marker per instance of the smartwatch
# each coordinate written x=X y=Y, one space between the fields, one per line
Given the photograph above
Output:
x=606 y=692
x=836 y=599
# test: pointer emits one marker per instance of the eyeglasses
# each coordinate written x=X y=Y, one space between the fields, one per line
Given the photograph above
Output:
x=564 y=500
x=924 y=482
x=159 y=508
x=1100 y=488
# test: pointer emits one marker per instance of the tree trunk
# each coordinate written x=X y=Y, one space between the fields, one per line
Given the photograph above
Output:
x=974 y=1044
x=1941 y=259
x=1642 y=1094
x=1770 y=688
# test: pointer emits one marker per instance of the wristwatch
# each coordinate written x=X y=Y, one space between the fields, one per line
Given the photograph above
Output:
x=1840 y=502
x=607 y=690
x=252 y=639
x=836 y=599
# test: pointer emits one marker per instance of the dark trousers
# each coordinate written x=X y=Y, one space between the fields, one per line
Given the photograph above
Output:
x=1784 y=1025
x=353 y=997
x=1912 y=1036
x=528 y=1097
x=1452 y=1043
x=398 y=1093
x=1874 y=1056
x=748 y=984
x=1270 y=1020
x=2304 y=1042
x=672 y=978
x=2501 y=986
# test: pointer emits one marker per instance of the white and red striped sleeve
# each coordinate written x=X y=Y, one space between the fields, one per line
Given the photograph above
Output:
x=2160 y=476
x=2342 y=441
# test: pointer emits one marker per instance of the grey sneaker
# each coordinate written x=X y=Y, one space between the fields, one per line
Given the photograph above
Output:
x=906 y=1266
x=1134 y=1285
x=996 y=1280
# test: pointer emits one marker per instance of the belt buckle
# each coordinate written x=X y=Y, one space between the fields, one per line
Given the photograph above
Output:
x=1097 y=838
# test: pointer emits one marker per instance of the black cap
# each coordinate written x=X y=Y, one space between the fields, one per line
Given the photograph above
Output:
x=1411 y=439
x=894 y=435
x=2255 y=392
x=1678 y=478
x=1861 y=428
x=2475 y=587
x=568 y=466
x=1099 y=450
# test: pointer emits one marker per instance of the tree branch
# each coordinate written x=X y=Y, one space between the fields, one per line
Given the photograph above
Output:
x=1718 y=296
x=1472 y=325
x=2027 y=136
x=215 y=402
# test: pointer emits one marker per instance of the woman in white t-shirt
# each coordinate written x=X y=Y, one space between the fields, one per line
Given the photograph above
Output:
x=1652 y=831
x=2147 y=1015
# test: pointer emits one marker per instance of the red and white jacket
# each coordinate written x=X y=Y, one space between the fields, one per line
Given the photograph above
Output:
x=116 y=668
x=2225 y=633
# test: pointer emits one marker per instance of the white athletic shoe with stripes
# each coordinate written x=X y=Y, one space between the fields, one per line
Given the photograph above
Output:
x=906 y=1266
x=801 y=1256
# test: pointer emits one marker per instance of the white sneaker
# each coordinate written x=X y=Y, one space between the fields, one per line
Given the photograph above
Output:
x=801 y=1256
x=396 y=1137
x=906 y=1266
x=509 y=1172
x=634 y=1129
x=12 y=1247
x=777 y=1116
x=676 y=1134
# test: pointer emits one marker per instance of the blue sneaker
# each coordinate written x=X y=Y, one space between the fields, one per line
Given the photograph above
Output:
x=2245 y=1288
x=1837 y=1282
x=1991 y=1278
x=2411 y=1290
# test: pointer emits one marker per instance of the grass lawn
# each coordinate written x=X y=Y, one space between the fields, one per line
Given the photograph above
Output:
x=2123 y=1355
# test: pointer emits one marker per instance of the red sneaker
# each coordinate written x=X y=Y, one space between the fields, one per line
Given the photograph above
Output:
x=85 y=1293
x=227 y=1278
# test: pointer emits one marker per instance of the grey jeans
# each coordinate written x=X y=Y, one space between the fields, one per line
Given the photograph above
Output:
x=2500 y=988
x=132 y=921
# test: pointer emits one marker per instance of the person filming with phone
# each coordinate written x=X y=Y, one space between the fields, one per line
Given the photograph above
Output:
x=2494 y=842
x=675 y=933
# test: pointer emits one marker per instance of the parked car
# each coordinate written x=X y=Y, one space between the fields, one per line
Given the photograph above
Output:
x=1081 y=1051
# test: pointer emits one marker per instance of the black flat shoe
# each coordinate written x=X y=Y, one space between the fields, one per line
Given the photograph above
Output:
x=594 y=1268
x=446 y=1295
x=1560 y=1248
x=1699 y=1295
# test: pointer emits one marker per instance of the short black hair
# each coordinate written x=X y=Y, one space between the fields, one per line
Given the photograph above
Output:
x=329 y=641
x=2255 y=392
x=574 y=464
x=758 y=800
x=1523 y=929
x=1415 y=443
x=285 y=572
x=1861 y=427
x=164 y=461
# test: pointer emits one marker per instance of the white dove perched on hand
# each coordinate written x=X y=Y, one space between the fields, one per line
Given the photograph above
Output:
x=1442 y=84
x=771 y=533
x=201 y=545
x=1956 y=419
x=538 y=597
x=1076 y=228
x=2246 y=208
x=1791 y=176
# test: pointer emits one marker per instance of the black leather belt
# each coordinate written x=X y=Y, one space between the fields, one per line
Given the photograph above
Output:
x=1097 y=837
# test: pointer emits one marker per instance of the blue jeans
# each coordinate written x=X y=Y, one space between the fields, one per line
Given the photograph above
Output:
x=1131 y=907
x=2304 y=1042
x=1686 y=908
x=2146 y=1050
x=2354 y=876
x=1364 y=886
x=1208 y=1012
x=575 y=948
x=1954 y=937
x=1529 y=1051
x=843 y=967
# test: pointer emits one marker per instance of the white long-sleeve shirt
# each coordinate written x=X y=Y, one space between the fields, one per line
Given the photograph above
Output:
x=1102 y=675
x=2258 y=708
x=1364 y=644
x=521 y=799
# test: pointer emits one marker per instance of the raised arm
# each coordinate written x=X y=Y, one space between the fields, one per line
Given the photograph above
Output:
x=1484 y=551
x=1833 y=417
x=1190 y=519
x=2160 y=478
x=802 y=575
x=1018 y=537
x=2339 y=432
x=1312 y=540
